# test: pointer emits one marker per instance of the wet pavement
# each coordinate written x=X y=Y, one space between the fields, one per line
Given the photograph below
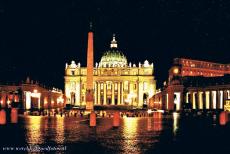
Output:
x=159 y=134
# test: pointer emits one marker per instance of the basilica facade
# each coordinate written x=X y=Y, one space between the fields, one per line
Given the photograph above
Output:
x=115 y=81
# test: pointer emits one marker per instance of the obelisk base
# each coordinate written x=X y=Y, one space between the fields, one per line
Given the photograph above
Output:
x=89 y=100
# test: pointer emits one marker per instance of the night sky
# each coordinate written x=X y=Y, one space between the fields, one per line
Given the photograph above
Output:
x=37 y=38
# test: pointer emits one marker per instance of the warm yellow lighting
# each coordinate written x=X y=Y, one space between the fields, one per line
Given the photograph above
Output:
x=28 y=100
x=130 y=134
x=60 y=100
x=207 y=99
x=45 y=100
x=175 y=121
x=112 y=68
x=227 y=105
x=34 y=135
x=130 y=97
x=59 y=137
x=35 y=90
x=175 y=70
x=35 y=94
x=149 y=111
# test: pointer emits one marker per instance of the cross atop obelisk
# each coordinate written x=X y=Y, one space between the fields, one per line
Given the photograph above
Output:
x=89 y=80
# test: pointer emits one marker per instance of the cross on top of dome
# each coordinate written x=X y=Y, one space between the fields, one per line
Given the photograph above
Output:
x=113 y=42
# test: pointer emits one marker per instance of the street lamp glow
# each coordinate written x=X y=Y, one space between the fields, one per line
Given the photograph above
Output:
x=60 y=100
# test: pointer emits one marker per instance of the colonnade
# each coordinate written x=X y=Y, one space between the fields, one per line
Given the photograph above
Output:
x=208 y=99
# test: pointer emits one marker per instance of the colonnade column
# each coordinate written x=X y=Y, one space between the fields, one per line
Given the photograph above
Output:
x=104 y=99
x=214 y=99
x=225 y=95
x=217 y=98
x=200 y=100
x=113 y=93
x=187 y=98
x=221 y=105
x=211 y=100
x=207 y=100
x=119 y=93
x=193 y=100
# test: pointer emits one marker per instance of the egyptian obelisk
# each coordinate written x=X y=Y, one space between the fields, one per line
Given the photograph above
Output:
x=89 y=79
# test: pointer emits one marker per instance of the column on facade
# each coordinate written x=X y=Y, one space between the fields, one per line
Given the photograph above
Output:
x=140 y=95
x=130 y=92
x=129 y=87
x=78 y=93
x=119 y=93
x=113 y=86
x=104 y=98
x=135 y=91
x=98 y=93
x=122 y=93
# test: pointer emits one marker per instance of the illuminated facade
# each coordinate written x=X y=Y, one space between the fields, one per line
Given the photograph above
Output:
x=203 y=85
x=115 y=82
x=30 y=95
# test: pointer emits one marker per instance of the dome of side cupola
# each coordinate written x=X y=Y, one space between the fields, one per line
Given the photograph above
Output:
x=113 y=57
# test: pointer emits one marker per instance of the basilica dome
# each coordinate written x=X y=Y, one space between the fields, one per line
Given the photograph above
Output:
x=113 y=57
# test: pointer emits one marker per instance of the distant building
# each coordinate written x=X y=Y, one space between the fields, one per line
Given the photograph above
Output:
x=115 y=81
x=30 y=95
x=202 y=84
x=189 y=67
